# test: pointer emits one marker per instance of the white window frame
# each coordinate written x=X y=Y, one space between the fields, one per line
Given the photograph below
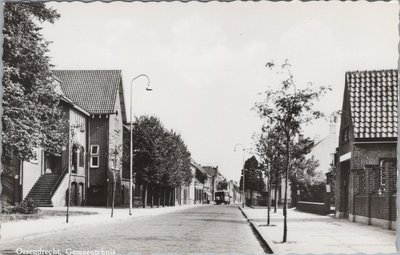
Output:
x=94 y=155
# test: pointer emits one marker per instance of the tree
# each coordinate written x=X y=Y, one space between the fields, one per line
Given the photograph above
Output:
x=269 y=147
x=222 y=185
x=288 y=108
x=253 y=179
x=161 y=159
x=303 y=173
x=31 y=116
x=116 y=164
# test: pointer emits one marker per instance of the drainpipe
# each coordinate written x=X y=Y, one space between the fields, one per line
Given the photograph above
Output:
x=87 y=161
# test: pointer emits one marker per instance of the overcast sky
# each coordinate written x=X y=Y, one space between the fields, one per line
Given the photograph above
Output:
x=206 y=61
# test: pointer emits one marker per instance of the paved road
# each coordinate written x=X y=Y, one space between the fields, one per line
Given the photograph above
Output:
x=207 y=229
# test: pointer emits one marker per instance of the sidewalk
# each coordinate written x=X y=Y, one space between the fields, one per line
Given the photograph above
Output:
x=21 y=229
x=311 y=233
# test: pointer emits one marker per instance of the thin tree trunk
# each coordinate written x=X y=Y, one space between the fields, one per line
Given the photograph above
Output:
x=69 y=195
x=269 y=201
x=107 y=193
x=159 y=197
x=152 y=196
x=180 y=195
x=145 y=195
x=202 y=195
x=276 y=192
x=286 y=185
x=113 y=198
x=163 y=203
x=171 y=197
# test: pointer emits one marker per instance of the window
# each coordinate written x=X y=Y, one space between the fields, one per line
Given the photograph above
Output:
x=81 y=156
x=94 y=150
x=94 y=156
x=75 y=157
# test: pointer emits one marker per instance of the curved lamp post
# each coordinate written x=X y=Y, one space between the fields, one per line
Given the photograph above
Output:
x=243 y=150
x=131 y=147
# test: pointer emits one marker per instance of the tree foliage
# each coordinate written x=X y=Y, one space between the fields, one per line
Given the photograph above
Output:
x=160 y=157
x=31 y=115
x=222 y=185
x=253 y=178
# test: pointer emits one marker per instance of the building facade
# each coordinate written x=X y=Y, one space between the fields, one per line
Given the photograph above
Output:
x=366 y=170
x=94 y=110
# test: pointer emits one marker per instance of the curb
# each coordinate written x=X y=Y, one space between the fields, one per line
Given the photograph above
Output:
x=266 y=247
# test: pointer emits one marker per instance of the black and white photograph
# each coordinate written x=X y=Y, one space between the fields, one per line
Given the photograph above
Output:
x=199 y=127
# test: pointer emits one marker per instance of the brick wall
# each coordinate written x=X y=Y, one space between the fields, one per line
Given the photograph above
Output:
x=375 y=191
x=369 y=154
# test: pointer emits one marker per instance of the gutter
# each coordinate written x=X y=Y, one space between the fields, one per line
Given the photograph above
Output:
x=376 y=142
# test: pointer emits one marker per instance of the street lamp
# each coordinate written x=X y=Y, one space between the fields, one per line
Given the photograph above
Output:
x=131 y=141
x=243 y=150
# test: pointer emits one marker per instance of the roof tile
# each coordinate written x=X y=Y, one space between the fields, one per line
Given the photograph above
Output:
x=373 y=103
x=93 y=90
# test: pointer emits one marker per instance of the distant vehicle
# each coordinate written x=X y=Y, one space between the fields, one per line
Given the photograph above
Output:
x=222 y=197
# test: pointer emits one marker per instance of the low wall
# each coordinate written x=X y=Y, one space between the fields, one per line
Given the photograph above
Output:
x=58 y=198
x=312 y=207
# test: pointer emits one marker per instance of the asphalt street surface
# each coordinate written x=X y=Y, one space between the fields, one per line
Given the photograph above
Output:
x=210 y=229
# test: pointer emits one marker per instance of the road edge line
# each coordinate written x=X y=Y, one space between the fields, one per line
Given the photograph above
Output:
x=267 y=249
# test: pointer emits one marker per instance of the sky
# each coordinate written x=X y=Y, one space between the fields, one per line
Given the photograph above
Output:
x=206 y=61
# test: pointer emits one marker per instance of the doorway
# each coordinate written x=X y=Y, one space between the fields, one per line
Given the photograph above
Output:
x=52 y=164
x=344 y=191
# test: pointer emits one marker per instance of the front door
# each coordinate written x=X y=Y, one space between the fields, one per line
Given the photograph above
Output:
x=52 y=164
x=344 y=179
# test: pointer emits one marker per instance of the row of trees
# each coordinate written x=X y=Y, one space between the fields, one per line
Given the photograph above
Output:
x=280 y=145
x=161 y=160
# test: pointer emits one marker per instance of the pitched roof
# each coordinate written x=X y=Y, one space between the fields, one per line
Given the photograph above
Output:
x=373 y=103
x=93 y=90
x=197 y=166
x=211 y=170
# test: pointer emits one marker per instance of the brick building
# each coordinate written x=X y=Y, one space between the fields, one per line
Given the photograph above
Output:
x=100 y=93
x=366 y=167
x=93 y=105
